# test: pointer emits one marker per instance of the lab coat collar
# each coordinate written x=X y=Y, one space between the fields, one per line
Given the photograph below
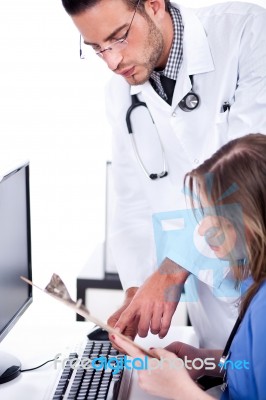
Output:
x=197 y=56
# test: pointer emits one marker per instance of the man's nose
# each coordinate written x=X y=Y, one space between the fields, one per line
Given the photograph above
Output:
x=112 y=59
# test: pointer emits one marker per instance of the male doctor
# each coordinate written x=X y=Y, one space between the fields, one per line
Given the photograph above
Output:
x=163 y=52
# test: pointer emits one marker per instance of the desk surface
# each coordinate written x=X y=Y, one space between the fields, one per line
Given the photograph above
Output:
x=48 y=328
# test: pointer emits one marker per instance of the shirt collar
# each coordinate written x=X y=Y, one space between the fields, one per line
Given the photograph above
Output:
x=176 y=53
x=175 y=56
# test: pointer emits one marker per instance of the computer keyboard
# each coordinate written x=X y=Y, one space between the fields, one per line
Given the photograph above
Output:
x=85 y=379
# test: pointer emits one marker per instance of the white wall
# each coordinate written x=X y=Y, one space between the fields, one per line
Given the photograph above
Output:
x=52 y=113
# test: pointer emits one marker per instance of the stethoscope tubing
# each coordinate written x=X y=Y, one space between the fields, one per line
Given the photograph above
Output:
x=135 y=104
x=189 y=103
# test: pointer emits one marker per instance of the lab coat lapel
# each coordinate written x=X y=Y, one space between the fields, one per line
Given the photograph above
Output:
x=196 y=47
x=197 y=56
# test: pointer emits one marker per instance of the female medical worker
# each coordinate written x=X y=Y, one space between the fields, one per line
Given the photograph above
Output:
x=221 y=56
x=240 y=219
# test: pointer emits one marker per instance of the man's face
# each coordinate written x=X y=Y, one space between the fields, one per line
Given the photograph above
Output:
x=107 y=22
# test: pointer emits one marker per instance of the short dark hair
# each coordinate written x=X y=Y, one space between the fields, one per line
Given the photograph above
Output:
x=74 y=7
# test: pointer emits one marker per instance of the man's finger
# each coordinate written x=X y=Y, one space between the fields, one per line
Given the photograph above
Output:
x=126 y=319
x=112 y=320
x=156 y=319
x=144 y=322
x=166 y=320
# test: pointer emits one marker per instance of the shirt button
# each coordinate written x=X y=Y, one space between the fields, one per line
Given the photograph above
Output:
x=196 y=161
x=174 y=114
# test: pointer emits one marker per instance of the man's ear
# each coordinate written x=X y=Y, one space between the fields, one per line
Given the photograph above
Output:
x=155 y=8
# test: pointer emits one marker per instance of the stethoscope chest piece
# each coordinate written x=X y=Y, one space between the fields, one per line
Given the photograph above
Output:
x=190 y=102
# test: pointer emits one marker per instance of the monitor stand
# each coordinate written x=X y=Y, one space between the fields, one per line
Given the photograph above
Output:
x=10 y=367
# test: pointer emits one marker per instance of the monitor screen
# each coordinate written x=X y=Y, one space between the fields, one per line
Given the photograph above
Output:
x=15 y=248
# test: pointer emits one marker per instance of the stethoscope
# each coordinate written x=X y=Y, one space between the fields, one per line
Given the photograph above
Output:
x=189 y=103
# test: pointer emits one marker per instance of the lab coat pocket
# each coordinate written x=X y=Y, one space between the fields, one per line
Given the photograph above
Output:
x=222 y=117
x=221 y=129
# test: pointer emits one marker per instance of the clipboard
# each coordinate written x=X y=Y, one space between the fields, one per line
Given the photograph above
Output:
x=57 y=289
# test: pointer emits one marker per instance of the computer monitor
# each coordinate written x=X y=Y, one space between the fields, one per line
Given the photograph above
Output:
x=15 y=259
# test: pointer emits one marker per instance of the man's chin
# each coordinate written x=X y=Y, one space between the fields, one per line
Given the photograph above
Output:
x=135 y=80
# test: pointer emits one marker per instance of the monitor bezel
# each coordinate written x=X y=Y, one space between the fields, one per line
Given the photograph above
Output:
x=6 y=329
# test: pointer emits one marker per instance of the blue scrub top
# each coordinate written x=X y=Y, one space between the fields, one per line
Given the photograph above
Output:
x=246 y=370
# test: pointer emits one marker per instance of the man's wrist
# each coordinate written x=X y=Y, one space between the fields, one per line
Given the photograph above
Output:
x=170 y=268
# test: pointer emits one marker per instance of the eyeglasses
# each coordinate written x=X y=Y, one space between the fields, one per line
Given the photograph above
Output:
x=117 y=45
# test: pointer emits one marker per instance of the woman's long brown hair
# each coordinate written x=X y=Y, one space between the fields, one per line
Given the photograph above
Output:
x=241 y=166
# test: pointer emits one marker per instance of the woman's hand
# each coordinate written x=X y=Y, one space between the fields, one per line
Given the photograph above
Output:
x=165 y=375
x=197 y=361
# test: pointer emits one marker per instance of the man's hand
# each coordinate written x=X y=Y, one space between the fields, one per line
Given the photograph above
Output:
x=154 y=303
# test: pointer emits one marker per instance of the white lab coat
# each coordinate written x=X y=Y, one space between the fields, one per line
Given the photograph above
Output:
x=225 y=51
